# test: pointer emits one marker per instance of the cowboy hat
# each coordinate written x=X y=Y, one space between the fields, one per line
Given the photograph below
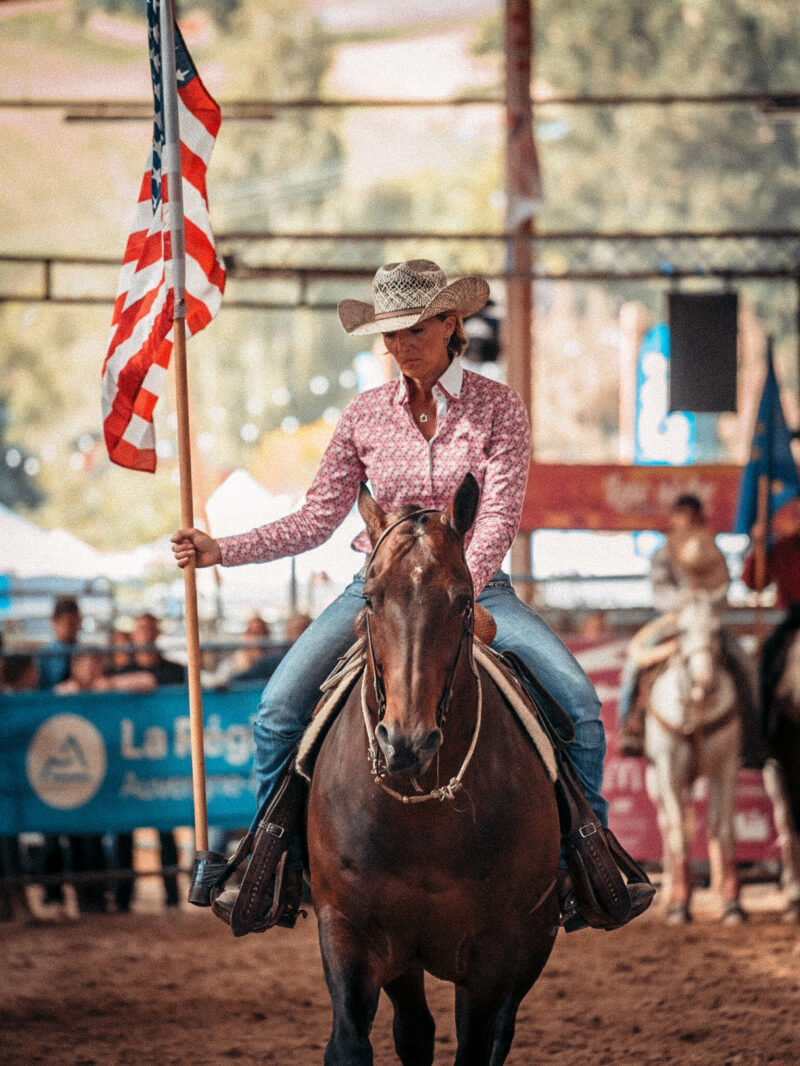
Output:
x=700 y=560
x=410 y=292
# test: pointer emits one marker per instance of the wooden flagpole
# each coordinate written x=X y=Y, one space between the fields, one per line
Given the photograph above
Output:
x=760 y=560
x=171 y=167
x=763 y=521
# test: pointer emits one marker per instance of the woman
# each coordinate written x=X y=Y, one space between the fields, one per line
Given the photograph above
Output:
x=414 y=439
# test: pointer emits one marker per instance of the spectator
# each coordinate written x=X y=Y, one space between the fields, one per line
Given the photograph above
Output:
x=119 y=660
x=18 y=673
x=264 y=667
x=66 y=623
x=296 y=626
x=256 y=633
x=145 y=633
x=87 y=674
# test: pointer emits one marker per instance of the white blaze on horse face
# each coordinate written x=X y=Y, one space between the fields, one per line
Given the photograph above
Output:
x=699 y=627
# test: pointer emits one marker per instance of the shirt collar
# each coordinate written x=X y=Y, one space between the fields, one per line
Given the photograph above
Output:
x=450 y=382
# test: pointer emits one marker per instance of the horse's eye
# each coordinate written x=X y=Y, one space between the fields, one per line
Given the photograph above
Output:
x=367 y=601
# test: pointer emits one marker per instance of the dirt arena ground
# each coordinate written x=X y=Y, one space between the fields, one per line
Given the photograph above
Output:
x=175 y=989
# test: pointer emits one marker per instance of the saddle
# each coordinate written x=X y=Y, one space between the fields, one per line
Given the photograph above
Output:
x=596 y=860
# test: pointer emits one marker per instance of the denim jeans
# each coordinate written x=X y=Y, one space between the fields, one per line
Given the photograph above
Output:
x=293 y=690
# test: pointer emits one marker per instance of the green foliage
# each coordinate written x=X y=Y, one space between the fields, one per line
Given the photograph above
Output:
x=17 y=485
x=632 y=168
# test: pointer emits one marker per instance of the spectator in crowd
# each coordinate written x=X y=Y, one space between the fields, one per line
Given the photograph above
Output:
x=256 y=633
x=66 y=623
x=296 y=625
x=53 y=669
x=18 y=673
x=120 y=657
x=88 y=674
x=266 y=664
x=146 y=631
x=781 y=568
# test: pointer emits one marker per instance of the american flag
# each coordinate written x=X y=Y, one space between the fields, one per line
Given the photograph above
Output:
x=141 y=329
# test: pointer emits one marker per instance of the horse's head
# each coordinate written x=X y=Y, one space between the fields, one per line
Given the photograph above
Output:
x=419 y=602
x=699 y=642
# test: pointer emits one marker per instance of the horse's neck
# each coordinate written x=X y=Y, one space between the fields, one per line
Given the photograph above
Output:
x=670 y=695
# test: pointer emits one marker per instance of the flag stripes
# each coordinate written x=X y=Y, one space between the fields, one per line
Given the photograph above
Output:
x=141 y=338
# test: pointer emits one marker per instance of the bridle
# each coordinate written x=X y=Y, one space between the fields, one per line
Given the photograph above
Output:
x=694 y=730
x=449 y=790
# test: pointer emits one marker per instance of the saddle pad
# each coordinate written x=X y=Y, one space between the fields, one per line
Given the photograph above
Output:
x=335 y=696
x=325 y=712
x=520 y=705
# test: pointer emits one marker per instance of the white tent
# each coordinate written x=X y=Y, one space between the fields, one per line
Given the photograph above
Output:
x=240 y=504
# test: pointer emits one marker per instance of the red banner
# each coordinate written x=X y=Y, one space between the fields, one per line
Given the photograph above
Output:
x=632 y=815
x=617 y=497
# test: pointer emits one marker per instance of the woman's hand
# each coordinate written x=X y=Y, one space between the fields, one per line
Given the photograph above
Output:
x=188 y=544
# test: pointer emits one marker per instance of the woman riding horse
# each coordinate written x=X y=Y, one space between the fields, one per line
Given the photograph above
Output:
x=414 y=439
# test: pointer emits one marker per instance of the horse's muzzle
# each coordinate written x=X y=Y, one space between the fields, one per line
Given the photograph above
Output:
x=404 y=754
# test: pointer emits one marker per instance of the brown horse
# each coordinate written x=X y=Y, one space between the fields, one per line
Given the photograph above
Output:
x=432 y=828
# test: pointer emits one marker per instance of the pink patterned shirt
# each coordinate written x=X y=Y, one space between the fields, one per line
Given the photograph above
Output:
x=482 y=427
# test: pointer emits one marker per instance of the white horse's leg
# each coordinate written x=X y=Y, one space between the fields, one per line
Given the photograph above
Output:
x=670 y=793
x=788 y=840
x=721 y=829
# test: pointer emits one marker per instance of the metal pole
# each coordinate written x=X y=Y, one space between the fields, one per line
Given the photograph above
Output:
x=523 y=194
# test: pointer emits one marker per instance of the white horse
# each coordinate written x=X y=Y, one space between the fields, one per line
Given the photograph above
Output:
x=693 y=730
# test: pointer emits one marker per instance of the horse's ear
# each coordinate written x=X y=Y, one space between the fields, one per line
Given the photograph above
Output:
x=372 y=513
x=464 y=506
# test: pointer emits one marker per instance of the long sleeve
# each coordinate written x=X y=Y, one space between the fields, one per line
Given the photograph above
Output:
x=503 y=490
x=327 y=503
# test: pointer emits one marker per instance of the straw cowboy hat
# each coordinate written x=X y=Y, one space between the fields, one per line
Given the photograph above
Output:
x=407 y=293
x=700 y=559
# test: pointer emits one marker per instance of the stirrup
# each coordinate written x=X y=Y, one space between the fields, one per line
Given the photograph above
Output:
x=640 y=895
x=280 y=904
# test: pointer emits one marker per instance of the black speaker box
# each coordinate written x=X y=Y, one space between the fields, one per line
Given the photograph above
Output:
x=702 y=351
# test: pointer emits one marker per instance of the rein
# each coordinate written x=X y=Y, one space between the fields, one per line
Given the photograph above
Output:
x=449 y=790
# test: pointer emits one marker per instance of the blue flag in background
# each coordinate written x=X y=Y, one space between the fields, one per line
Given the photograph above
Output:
x=770 y=455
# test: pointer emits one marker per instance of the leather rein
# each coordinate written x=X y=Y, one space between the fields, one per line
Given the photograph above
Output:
x=379 y=772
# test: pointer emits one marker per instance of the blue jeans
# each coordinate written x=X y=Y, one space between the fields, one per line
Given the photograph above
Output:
x=293 y=690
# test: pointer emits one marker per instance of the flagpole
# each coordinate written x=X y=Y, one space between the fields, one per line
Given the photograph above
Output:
x=763 y=516
x=171 y=167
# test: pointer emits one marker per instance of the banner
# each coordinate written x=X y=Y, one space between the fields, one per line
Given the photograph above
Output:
x=616 y=497
x=112 y=762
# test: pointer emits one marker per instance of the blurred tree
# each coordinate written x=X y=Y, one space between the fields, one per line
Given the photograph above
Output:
x=17 y=481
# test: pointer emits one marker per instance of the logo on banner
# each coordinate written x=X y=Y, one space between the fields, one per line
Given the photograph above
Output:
x=66 y=761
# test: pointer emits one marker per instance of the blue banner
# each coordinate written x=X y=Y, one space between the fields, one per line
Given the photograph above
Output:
x=112 y=762
x=770 y=456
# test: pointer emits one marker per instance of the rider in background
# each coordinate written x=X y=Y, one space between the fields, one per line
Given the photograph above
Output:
x=689 y=561
x=782 y=568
